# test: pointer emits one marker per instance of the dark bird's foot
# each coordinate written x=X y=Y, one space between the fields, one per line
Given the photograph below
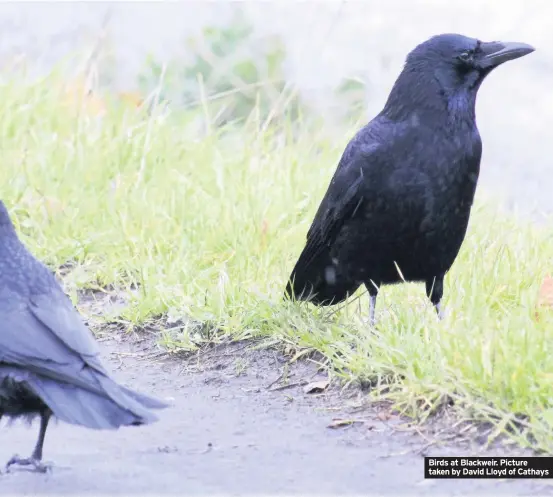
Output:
x=440 y=311
x=372 y=308
x=38 y=466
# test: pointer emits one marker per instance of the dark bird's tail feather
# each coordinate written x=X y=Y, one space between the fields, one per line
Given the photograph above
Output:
x=303 y=283
x=119 y=406
x=317 y=280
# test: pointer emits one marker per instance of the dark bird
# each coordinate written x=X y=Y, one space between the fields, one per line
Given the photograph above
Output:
x=398 y=205
x=49 y=361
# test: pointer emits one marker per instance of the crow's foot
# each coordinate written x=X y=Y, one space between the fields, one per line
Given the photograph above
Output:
x=440 y=311
x=38 y=466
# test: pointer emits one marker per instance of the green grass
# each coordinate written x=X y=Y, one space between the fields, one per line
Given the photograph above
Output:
x=207 y=225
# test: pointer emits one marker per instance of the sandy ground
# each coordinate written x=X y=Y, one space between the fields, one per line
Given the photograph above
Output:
x=227 y=433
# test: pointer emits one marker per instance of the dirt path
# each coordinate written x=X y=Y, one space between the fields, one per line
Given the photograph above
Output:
x=230 y=435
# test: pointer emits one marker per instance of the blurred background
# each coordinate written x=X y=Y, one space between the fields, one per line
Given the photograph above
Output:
x=336 y=58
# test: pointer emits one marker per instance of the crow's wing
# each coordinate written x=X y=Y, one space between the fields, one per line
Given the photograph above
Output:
x=348 y=190
x=46 y=335
x=44 y=343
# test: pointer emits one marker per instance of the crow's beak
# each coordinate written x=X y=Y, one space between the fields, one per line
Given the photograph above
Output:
x=495 y=53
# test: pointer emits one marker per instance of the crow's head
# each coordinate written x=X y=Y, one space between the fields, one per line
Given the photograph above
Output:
x=450 y=65
x=459 y=61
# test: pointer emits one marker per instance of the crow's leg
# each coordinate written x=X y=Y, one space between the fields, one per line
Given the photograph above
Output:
x=372 y=288
x=435 y=292
x=36 y=458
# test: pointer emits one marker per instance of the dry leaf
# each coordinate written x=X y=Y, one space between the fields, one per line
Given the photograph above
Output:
x=264 y=228
x=545 y=294
x=384 y=416
x=131 y=98
x=316 y=387
x=79 y=96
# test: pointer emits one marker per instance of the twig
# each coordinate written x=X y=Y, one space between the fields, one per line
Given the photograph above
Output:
x=291 y=385
x=274 y=382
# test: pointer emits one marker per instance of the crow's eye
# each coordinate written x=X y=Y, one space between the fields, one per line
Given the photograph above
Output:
x=466 y=56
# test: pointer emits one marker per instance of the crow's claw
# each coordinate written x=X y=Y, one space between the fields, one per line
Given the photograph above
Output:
x=38 y=466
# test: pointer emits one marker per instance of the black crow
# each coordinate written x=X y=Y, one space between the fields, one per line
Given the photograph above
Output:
x=49 y=361
x=398 y=206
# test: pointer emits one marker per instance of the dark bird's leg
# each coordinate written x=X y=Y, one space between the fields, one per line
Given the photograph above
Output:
x=435 y=292
x=36 y=458
x=372 y=288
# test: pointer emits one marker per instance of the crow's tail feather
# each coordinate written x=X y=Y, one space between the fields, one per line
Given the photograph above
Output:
x=319 y=282
x=118 y=406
